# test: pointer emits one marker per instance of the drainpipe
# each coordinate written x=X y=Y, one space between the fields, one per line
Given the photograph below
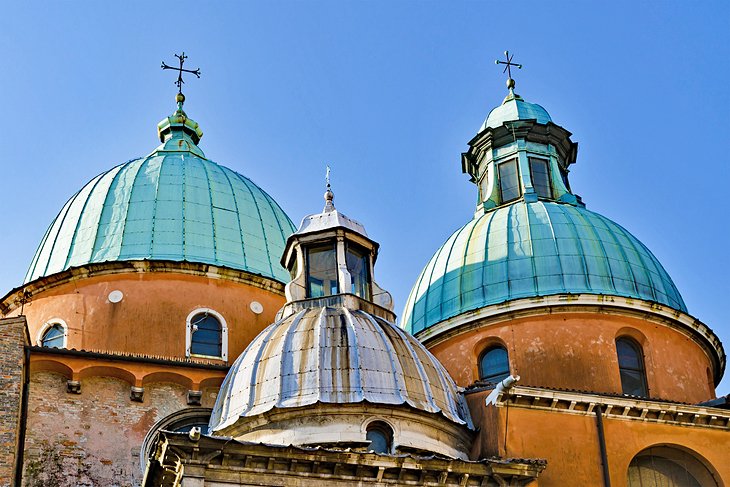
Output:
x=602 y=445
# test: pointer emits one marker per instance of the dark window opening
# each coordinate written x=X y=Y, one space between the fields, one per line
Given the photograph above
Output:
x=380 y=436
x=53 y=337
x=540 y=174
x=206 y=335
x=631 y=367
x=494 y=364
x=509 y=181
x=322 y=271
x=358 y=265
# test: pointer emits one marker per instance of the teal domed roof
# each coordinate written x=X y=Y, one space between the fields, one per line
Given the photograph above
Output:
x=515 y=108
x=171 y=205
x=529 y=249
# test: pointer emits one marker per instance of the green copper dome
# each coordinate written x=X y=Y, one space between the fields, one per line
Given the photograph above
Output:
x=171 y=205
x=529 y=249
x=515 y=108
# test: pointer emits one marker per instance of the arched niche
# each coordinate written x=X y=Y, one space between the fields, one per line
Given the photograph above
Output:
x=671 y=466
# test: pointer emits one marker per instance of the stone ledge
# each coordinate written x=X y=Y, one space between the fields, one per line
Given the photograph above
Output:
x=630 y=409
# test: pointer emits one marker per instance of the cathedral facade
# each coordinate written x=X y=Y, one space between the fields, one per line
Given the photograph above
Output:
x=176 y=329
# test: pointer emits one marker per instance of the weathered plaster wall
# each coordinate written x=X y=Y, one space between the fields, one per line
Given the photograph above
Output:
x=569 y=443
x=93 y=438
x=12 y=357
x=578 y=351
x=151 y=319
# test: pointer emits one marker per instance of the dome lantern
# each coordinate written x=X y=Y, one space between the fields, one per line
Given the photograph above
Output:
x=520 y=154
x=332 y=254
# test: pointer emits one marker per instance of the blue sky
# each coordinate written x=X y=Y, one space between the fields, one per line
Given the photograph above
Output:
x=388 y=94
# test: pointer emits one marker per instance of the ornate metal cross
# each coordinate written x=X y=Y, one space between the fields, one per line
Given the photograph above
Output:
x=182 y=57
x=508 y=64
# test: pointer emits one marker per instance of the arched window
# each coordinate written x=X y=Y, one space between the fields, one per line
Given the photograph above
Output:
x=494 y=364
x=207 y=334
x=631 y=367
x=668 y=467
x=53 y=334
x=380 y=436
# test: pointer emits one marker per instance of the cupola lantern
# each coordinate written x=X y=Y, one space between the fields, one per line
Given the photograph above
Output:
x=520 y=154
x=330 y=255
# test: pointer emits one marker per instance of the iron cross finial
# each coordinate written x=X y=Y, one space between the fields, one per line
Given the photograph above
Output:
x=182 y=57
x=508 y=64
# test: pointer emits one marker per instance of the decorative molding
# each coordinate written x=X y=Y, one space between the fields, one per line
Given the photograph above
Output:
x=627 y=409
x=194 y=398
x=73 y=387
x=136 y=394
x=225 y=461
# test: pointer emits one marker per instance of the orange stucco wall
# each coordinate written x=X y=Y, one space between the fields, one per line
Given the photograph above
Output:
x=569 y=443
x=151 y=318
x=577 y=351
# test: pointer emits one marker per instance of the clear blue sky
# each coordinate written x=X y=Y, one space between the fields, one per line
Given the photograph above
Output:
x=387 y=93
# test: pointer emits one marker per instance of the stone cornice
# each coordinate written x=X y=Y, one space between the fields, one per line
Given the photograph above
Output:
x=581 y=303
x=620 y=408
x=227 y=461
x=25 y=293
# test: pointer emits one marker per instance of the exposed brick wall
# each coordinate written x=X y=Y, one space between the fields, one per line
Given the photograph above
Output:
x=12 y=341
x=93 y=438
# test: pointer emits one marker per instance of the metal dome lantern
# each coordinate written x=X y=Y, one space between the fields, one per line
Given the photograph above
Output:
x=334 y=367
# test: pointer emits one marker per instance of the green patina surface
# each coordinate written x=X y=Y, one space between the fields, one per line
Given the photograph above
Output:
x=515 y=108
x=535 y=249
x=171 y=205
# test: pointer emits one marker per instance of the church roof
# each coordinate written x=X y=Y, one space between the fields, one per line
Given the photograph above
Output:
x=335 y=354
x=174 y=204
x=528 y=249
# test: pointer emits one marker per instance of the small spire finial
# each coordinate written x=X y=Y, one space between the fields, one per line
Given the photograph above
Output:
x=507 y=69
x=329 y=196
x=180 y=98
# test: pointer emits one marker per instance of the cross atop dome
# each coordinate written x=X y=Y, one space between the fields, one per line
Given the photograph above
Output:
x=507 y=69
x=178 y=125
x=180 y=70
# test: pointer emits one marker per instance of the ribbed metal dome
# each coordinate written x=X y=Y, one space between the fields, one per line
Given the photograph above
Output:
x=171 y=205
x=515 y=108
x=535 y=249
x=334 y=355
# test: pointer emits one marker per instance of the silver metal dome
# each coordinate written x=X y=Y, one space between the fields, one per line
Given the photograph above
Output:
x=335 y=354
